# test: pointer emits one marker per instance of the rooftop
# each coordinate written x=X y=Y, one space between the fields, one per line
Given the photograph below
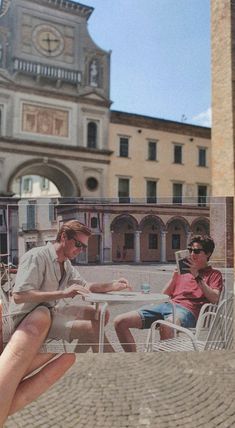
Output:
x=142 y=121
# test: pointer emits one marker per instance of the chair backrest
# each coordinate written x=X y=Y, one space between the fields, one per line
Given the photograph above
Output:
x=5 y=293
x=206 y=315
x=220 y=334
x=223 y=294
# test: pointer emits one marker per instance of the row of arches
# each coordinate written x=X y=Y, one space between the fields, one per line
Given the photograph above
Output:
x=152 y=240
x=149 y=240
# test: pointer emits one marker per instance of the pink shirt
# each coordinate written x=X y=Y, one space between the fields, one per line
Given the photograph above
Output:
x=188 y=293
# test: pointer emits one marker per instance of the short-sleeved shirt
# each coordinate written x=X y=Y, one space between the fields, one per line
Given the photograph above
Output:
x=39 y=270
x=188 y=293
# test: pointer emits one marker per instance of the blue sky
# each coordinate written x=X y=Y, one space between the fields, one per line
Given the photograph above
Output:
x=160 y=62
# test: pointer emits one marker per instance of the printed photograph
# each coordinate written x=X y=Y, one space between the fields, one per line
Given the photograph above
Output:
x=119 y=276
x=117 y=184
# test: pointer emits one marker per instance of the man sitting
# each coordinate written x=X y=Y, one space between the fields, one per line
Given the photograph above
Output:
x=46 y=277
x=188 y=292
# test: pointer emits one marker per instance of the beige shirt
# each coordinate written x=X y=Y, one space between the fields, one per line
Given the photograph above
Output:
x=39 y=270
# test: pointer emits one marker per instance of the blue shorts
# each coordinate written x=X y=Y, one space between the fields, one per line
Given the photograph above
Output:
x=149 y=314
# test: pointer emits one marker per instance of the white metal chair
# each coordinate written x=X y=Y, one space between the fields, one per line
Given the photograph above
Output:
x=219 y=335
x=203 y=321
x=6 y=283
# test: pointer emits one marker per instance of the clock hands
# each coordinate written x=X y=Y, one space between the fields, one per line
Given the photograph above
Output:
x=49 y=41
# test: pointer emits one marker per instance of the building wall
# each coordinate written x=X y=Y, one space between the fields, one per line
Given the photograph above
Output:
x=223 y=107
x=223 y=111
x=164 y=170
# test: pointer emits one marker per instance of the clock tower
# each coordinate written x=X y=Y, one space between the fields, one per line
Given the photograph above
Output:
x=48 y=40
x=55 y=92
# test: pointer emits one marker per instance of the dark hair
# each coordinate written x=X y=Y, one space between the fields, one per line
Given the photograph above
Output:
x=71 y=228
x=205 y=241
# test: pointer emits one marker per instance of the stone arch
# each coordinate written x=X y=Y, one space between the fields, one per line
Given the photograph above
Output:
x=178 y=230
x=60 y=175
x=180 y=219
x=124 y=218
x=152 y=218
x=200 y=226
x=123 y=228
x=151 y=227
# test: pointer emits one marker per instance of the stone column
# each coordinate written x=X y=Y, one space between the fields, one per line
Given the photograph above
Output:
x=188 y=236
x=163 y=246
x=137 y=246
x=107 y=240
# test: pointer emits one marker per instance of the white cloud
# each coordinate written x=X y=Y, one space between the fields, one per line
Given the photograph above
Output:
x=203 y=118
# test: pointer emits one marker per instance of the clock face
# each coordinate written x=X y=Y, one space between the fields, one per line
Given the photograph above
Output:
x=48 y=40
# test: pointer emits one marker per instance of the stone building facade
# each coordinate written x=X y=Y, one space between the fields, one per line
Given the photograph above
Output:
x=54 y=96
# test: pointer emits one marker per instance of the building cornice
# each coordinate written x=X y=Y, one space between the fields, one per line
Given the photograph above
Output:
x=81 y=96
x=112 y=206
x=140 y=121
x=63 y=151
x=67 y=6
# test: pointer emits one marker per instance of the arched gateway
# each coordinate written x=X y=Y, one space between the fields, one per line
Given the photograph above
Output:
x=59 y=174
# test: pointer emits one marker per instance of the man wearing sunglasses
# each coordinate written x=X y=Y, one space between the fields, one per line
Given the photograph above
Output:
x=46 y=277
x=189 y=292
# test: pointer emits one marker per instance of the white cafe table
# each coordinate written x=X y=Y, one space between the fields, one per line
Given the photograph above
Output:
x=121 y=297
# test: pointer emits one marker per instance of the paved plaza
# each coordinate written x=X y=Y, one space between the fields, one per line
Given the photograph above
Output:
x=138 y=390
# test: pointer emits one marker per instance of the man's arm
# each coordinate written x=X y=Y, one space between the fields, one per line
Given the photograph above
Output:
x=36 y=296
x=170 y=286
x=116 y=285
x=212 y=294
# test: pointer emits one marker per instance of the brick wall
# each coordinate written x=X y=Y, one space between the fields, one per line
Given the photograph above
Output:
x=223 y=110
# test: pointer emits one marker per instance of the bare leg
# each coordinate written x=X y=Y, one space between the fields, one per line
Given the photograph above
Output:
x=86 y=329
x=123 y=323
x=167 y=332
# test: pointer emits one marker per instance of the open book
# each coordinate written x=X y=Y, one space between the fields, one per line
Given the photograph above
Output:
x=181 y=257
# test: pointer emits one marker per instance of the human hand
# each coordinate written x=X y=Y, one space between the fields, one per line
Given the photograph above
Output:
x=75 y=289
x=193 y=267
x=121 y=284
x=18 y=387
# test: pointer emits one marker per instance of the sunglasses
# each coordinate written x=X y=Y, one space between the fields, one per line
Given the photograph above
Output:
x=195 y=250
x=79 y=244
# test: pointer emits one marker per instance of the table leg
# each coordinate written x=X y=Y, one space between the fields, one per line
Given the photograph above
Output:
x=101 y=331
x=97 y=311
x=174 y=315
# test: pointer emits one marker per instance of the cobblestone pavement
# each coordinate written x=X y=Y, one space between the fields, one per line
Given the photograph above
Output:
x=138 y=390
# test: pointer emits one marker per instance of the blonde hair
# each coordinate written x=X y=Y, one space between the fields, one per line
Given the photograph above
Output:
x=71 y=228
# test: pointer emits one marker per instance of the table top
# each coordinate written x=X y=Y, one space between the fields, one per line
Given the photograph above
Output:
x=126 y=296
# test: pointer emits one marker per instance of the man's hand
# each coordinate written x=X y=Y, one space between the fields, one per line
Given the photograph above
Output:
x=193 y=266
x=121 y=284
x=75 y=289
x=20 y=358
